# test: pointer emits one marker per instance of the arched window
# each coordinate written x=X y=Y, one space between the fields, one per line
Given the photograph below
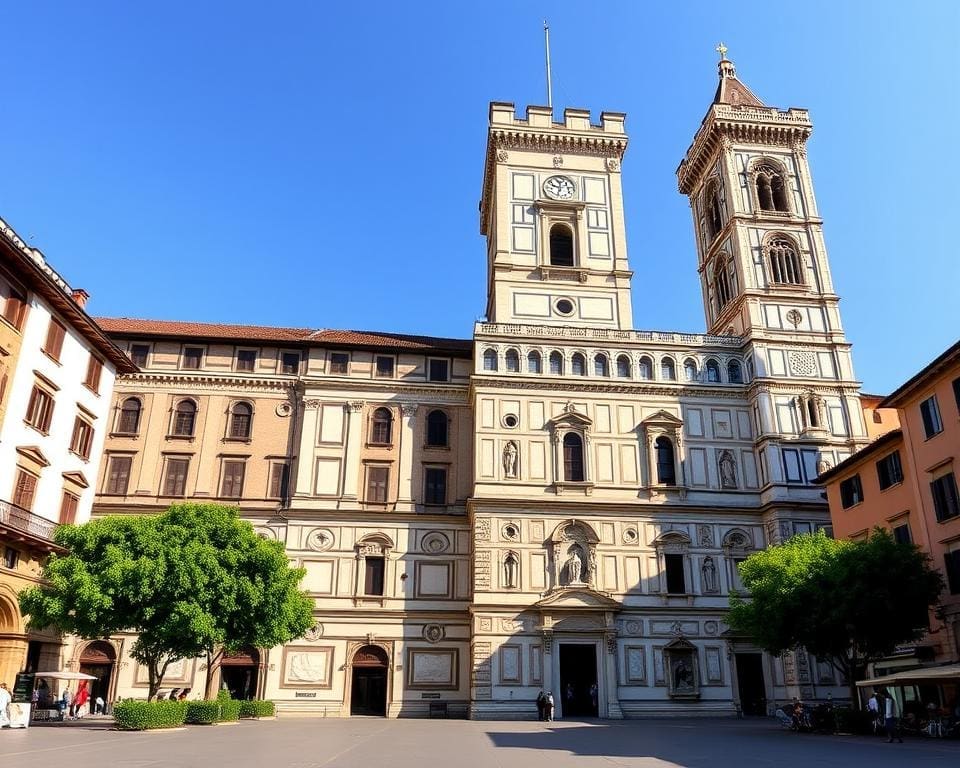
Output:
x=721 y=286
x=689 y=369
x=668 y=370
x=556 y=363
x=714 y=211
x=713 y=371
x=784 y=263
x=666 y=472
x=534 y=363
x=764 y=193
x=779 y=188
x=734 y=372
x=645 y=368
x=381 y=427
x=813 y=414
x=129 y=423
x=573 y=458
x=512 y=360
x=623 y=367
x=185 y=418
x=241 y=420
x=771 y=188
x=561 y=246
x=600 y=366
x=490 y=360
x=578 y=365
x=437 y=429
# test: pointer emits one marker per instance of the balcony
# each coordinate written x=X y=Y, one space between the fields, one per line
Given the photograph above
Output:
x=19 y=520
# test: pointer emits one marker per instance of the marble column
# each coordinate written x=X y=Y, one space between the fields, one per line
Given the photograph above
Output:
x=351 y=461
x=408 y=426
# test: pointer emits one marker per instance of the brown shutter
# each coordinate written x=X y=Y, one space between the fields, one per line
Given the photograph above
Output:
x=233 y=472
x=119 y=478
x=54 y=343
x=68 y=508
x=25 y=486
x=176 y=480
x=94 y=369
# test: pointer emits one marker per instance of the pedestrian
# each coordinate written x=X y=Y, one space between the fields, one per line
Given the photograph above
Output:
x=173 y=694
x=593 y=695
x=183 y=694
x=873 y=707
x=568 y=700
x=80 y=700
x=99 y=705
x=541 y=702
x=66 y=704
x=890 y=718
x=4 y=706
x=548 y=707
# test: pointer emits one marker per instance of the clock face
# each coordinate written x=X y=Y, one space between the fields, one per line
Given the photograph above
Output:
x=559 y=188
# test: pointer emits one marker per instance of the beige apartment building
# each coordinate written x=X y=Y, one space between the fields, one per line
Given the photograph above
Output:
x=559 y=504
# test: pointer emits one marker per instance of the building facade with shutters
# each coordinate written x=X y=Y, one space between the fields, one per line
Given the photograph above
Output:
x=559 y=504
x=57 y=369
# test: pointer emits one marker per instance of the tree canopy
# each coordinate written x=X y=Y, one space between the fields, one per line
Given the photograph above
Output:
x=845 y=601
x=195 y=580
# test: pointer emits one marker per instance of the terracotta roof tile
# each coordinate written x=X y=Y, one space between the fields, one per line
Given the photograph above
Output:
x=124 y=326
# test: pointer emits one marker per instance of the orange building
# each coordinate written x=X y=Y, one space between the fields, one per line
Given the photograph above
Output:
x=905 y=482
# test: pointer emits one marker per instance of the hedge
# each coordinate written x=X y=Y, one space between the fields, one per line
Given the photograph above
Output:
x=146 y=715
x=229 y=710
x=256 y=709
x=203 y=712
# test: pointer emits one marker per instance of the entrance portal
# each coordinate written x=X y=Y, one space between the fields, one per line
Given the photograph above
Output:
x=238 y=673
x=98 y=659
x=753 y=693
x=368 y=692
x=579 y=694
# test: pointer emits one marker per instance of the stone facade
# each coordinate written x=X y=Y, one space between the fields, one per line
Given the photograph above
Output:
x=559 y=504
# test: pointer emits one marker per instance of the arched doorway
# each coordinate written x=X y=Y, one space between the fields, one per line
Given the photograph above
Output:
x=239 y=673
x=368 y=693
x=98 y=659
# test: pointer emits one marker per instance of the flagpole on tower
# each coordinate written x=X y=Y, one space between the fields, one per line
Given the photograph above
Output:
x=546 y=39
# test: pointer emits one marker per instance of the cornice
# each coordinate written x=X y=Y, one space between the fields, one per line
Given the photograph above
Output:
x=572 y=387
x=609 y=337
x=203 y=381
x=452 y=393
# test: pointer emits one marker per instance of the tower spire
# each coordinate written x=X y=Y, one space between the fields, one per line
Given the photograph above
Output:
x=546 y=43
x=731 y=90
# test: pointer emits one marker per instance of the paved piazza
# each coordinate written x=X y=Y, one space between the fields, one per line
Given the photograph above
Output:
x=371 y=743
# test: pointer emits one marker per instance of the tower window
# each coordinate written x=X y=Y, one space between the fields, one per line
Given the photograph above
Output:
x=714 y=211
x=771 y=189
x=721 y=287
x=490 y=360
x=784 y=262
x=645 y=369
x=556 y=363
x=381 y=427
x=573 y=458
x=623 y=367
x=578 y=365
x=534 y=363
x=561 y=246
x=512 y=360
x=666 y=470
x=690 y=369
x=713 y=371
x=600 y=365
x=734 y=372
x=668 y=370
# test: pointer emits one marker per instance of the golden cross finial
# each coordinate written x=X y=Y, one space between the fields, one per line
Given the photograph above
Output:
x=722 y=50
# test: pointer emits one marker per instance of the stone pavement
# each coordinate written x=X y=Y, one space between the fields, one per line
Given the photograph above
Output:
x=372 y=743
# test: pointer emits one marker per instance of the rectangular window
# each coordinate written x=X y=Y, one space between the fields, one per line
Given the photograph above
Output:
x=39 y=409
x=889 y=471
x=14 y=305
x=384 y=367
x=901 y=534
x=435 y=485
x=851 y=492
x=373 y=575
x=930 y=412
x=676 y=583
x=10 y=557
x=94 y=369
x=339 y=362
x=139 y=354
x=952 y=562
x=438 y=370
x=290 y=362
x=53 y=346
x=279 y=480
x=232 y=486
x=377 y=479
x=118 y=475
x=192 y=358
x=246 y=360
x=68 y=508
x=82 y=438
x=945 y=501
x=24 y=489
x=175 y=480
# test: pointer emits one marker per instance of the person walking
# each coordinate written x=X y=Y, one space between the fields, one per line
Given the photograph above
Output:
x=890 y=718
x=541 y=703
x=80 y=700
x=4 y=706
x=66 y=704
x=548 y=707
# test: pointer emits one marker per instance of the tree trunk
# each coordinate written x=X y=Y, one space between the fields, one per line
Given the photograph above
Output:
x=213 y=663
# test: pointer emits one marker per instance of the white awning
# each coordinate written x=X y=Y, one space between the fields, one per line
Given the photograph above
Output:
x=945 y=674
x=66 y=675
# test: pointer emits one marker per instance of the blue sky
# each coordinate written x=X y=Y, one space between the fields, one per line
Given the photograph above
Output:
x=319 y=164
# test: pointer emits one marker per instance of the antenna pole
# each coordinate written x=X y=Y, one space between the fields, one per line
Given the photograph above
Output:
x=546 y=39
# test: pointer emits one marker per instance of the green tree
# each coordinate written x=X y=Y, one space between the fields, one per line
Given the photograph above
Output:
x=848 y=602
x=193 y=581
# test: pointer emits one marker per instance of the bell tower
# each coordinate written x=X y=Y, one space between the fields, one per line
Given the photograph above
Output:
x=552 y=213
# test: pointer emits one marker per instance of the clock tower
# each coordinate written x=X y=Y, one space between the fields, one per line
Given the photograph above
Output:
x=552 y=213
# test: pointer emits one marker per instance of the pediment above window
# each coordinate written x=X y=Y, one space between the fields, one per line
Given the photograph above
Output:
x=33 y=454
x=571 y=418
x=577 y=599
x=662 y=419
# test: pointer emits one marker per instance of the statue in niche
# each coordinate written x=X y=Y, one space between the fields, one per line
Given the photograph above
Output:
x=709 y=571
x=574 y=565
x=510 y=460
x=682 y=678
x=823 y=465
x=705 y=535
x=592 y=567
x=510 y=568
x=728 y=470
